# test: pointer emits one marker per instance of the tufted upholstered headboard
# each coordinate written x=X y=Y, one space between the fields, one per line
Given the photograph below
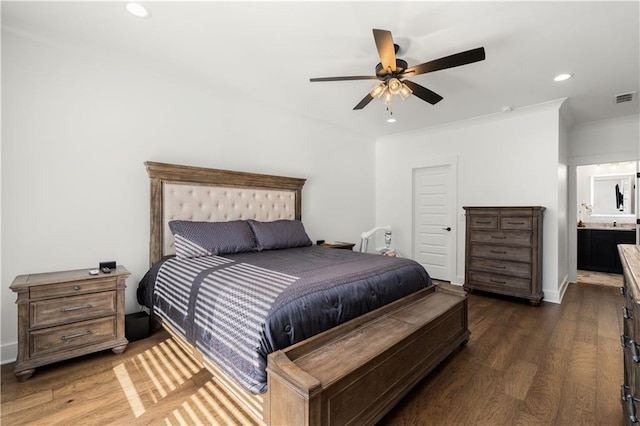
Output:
x=201 y=194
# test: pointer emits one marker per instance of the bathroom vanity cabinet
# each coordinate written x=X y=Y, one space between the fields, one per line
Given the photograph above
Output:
x=597 y=248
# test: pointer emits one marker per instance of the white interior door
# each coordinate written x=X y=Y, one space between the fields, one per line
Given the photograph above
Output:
x=434 y=220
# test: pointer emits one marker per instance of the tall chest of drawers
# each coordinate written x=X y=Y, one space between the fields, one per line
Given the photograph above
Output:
x=66 y=314
x=503 y=252
x=630 y=339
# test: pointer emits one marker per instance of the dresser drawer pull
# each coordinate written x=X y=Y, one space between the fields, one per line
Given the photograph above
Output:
x=75 y=308
x=625 y=313
x=630 y=400
x=497 y=282
x=516 y=223
x=631 y=345
x=497 y=237
x=498 y=267
x=484 y=222
x=623 y=292
x=76 y=287
x=73 y=336
x=498 y=252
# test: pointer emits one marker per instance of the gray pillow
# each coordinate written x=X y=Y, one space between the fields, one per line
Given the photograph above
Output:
x=196 y=239
x=279 y=234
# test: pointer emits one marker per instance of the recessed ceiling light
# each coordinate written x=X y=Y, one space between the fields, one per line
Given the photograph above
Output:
x=137 y=9
x=562 y=77
x=391 y=120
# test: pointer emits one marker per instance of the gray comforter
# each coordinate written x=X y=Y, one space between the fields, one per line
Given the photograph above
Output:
x=239 y=308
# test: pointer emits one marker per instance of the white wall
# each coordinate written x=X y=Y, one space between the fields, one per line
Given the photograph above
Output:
x=77 y=127
x=504 y=159
x=605 y=141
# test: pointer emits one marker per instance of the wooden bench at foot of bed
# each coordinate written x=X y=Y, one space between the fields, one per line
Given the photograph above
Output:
x=355 y=373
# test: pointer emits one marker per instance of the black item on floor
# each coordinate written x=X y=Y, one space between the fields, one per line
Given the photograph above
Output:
x=136 y=326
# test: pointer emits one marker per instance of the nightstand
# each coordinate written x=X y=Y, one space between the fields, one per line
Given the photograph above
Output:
x=66 y=314
x=338 y=245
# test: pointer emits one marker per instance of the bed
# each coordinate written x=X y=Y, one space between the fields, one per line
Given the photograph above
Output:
x=298 y=334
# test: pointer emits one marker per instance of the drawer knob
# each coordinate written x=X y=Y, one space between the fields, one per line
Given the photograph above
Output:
x=630 y=400
x=73 y=336
x=76 y=287
x=631 y=345
x=75 y=308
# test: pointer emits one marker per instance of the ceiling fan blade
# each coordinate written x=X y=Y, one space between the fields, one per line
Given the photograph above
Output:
x=353 y=77
x=386 y=49
x=462 y=58
x=364 y=102
x=423 y=93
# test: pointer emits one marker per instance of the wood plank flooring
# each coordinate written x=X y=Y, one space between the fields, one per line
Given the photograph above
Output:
x=546 y=365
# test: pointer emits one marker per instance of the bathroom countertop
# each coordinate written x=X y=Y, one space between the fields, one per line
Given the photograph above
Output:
x=609 y=227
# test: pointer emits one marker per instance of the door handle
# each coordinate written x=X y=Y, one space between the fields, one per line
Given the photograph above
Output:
x=448 y=228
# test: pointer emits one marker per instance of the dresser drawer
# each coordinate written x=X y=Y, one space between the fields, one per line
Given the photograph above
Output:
x=517 y=223
x=502 y=267
x=56 y=339
x=48 y=312
x=498 y=283
x=72 y=287
x=516 y=238
x=518 y=254
x=483 y=222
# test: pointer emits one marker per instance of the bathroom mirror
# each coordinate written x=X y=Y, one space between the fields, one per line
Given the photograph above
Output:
x=613 y=195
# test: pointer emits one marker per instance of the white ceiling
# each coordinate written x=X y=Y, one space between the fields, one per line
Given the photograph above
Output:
x=269 y=50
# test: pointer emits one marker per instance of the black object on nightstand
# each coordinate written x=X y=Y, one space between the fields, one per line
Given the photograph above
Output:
x=136 y=326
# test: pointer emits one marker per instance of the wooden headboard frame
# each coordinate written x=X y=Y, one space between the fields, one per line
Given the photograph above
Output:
x=163 y=173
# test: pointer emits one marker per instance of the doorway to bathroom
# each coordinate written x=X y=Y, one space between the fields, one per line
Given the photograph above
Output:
x=607 y=211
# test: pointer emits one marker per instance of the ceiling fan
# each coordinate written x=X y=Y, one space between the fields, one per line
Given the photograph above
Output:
x=392 y=72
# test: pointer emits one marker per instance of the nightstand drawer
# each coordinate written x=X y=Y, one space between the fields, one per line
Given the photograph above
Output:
x=72 y=287
x=58 y=339
x=45 y=313
x=516 y=269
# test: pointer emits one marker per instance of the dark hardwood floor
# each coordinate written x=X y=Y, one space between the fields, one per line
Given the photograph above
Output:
x=546 y=365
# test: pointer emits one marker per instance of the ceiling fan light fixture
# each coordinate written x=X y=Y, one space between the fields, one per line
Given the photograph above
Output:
x=378 y=90
x=394 y=86
x=388 y=98
x=405 y=91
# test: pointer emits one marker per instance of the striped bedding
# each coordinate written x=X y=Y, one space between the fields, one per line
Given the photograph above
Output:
x=239 y=308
